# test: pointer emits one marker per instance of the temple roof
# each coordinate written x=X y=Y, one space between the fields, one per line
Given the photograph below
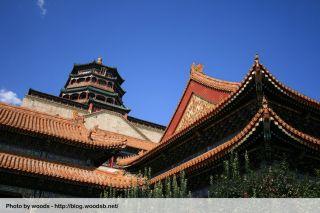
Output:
x=86 y=176
x=243 y=136
x=227 y=101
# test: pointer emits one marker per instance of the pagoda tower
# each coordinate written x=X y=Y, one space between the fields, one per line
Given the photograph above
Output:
x=96 y=85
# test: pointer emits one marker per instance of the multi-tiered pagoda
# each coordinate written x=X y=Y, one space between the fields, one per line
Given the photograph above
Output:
x=95 y=85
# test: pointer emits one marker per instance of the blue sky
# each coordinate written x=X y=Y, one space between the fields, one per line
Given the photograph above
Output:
x=153 y=43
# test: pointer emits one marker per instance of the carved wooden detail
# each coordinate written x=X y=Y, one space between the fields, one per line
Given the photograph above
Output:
x=196 y=108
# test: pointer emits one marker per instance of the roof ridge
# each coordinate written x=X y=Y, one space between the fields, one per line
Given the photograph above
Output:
x=194 y=73
x=202 y=78
x=285 y=125
x=295 y=92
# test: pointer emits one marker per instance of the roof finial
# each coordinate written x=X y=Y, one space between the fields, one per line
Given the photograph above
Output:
x=256 y=60
x=99 y=60
x=196 y=67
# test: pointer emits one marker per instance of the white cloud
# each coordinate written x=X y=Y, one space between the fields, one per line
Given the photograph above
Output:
x=9 y=97
x=40 y=4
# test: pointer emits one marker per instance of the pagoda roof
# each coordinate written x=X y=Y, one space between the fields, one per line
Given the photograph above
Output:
x=95 y=64
x=243 y=136
x=71 y=174
x=118 y=86
x=227 y=101
x=71 y=131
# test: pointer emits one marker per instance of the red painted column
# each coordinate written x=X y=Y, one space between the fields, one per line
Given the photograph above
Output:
x=111 y=162
x=90 y=108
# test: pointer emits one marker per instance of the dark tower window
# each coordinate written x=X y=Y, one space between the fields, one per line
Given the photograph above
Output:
x=101 y=98
x=102 y=82
x=80 y=80
x=94 y=79
x=66 y=96
x=74 y=96
x=73 y=81
x=110 y=100
x=88 y=79
x=92 y=95
x=110 y=84
x=83 y=95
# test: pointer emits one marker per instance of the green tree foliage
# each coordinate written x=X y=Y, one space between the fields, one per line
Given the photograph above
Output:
x=170 y=188
x=275 y=180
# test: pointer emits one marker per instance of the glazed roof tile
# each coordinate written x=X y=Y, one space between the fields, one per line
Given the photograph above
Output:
x=92 y=176
x=20 y=119
x=100 y=134
x=215 y=83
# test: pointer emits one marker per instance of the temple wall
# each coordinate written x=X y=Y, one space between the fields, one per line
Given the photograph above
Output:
x=105 y=119
x=49 y=107
x=112 y=122
x=153 y=134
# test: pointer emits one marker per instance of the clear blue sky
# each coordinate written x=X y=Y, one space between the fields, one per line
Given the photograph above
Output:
x=153 y=43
